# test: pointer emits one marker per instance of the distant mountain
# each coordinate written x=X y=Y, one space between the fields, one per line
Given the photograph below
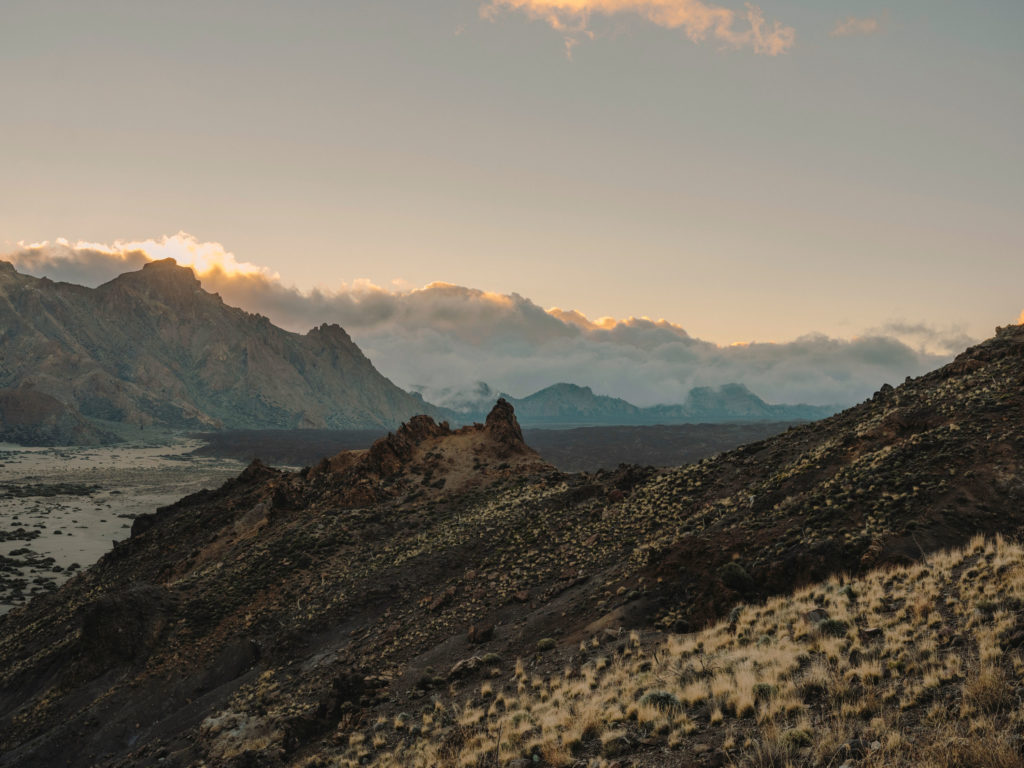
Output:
x=152 y=347
x=734 y=402
x=565 y=405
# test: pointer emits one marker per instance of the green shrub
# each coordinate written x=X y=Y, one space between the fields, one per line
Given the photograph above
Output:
x=833 y=627
x=662 y=700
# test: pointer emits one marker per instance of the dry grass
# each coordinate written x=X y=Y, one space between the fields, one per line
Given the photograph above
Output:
x=917 y=673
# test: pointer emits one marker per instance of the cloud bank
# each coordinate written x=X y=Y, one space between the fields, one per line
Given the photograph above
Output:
x=697 y=20
x=852 y=26
x=442 y=339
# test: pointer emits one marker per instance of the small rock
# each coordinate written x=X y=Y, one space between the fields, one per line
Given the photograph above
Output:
x=816 y=616
x=870 y=634
x=480 y=633
x=464 y=667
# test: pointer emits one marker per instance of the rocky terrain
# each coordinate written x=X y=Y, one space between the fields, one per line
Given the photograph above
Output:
x=449 y=599
x=153 y=348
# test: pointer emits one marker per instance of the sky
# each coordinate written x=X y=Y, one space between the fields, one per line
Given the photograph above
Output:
x=746 y=173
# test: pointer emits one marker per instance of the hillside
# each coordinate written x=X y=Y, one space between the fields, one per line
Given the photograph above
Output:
x=30 y=417
x=419 y=597
x=152 y=347
x=916 y=665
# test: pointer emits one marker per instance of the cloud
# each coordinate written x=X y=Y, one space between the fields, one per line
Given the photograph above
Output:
x=948 y=341
x=443 y=339
x=852 y=26
x=697 y=20
x=1020 y=320
x=95 y=263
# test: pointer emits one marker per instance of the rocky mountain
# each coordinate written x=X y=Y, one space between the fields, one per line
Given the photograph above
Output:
x=152 y=347
x=447 y=599
x=571 y=405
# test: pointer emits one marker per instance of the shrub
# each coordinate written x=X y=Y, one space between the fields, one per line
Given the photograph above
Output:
x=764 y=691
x=734 y=576
x=833 y=627
x=662 y=700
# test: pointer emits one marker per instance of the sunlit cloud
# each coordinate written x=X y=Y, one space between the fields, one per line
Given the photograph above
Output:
x=853 y=26
x=443 y=339
x=187 y=250
x=1020 y=320
x=698 y=20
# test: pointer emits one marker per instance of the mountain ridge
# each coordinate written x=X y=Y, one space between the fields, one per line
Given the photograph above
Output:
x=152 y=347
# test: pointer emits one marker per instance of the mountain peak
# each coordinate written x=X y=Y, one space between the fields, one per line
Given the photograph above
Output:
x=164 y=279
x=330 y=332
x=169 y=268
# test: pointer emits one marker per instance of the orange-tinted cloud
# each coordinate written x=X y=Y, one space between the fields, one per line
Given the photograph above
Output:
x=698 y=20
x=853 y=26
x=1020 y=320
x=187 y=250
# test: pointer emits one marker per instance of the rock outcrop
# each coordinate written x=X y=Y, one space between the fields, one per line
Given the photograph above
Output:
x=427 y=458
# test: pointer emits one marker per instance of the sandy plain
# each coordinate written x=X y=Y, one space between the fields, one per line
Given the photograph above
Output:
x=61 y=509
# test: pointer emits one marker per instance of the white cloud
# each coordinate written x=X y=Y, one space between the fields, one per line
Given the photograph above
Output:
x=442 y=339
x=697 y=20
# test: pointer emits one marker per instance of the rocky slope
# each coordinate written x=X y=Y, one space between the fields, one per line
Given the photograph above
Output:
x=29 y=417
x=152 y=347
x=386 y=606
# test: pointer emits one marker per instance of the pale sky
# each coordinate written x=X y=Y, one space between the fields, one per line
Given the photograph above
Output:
x=836 y=168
